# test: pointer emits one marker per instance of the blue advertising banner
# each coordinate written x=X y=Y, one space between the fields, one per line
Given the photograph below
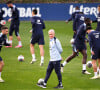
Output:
x=52 y=11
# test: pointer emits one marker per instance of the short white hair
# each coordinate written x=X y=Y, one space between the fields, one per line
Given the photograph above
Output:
x=51 y=30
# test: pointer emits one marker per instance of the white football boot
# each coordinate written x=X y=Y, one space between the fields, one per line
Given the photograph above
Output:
x=1 y=80
x=33 y=60
x=85 y=72
x=41 y=64
x=94 y=77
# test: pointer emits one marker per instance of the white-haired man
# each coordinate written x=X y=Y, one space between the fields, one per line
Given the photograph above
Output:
x=55 y=58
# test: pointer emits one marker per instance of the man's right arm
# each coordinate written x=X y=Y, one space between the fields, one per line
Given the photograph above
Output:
x=70 y=19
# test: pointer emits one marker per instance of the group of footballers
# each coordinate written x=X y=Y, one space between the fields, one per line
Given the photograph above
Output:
x=4 y=31
x=81 y=26
x=37 y=33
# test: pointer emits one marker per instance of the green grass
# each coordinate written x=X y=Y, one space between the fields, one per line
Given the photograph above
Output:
x=24 y=76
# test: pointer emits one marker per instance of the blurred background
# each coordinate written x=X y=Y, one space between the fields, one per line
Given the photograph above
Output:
x=53 y=1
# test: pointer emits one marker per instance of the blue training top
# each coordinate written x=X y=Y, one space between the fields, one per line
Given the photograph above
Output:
x=37 y=25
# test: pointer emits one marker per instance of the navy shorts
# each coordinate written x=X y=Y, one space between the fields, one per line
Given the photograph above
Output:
x=78 y=47
x=14 y=26
x=37 y=39
x=0 y=59
x=96 y=54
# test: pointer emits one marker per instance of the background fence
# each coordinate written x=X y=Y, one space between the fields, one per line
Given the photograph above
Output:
x=52 y=1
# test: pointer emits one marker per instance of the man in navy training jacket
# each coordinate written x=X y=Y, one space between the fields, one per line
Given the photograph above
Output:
x=15 y=22
x=79 y=46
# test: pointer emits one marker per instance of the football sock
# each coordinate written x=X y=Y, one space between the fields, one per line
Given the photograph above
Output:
x=99 y=71
x=0 y=74
x=33 y=56
x=64 y=63
x=19 y=43
x=84 y=66
x=10 y=41
x=42 y=59
x=60 y=83
x=95 y=73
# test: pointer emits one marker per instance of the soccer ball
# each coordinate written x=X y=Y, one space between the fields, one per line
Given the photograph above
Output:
x=3 y=22
x=89 y=64
x=20 y=58
x=40 y=81
x=72 y=41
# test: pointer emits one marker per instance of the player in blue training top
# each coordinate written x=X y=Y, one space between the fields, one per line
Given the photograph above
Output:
x=37 y=36
x=94 y=41
x=77 y=10
x=14 y=24
x=4 y=32
x=79 y=46
x=1 y=17
x=98 y=19
x=79 y=20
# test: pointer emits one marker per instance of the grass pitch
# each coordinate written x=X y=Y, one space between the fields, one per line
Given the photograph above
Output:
x=24 y=76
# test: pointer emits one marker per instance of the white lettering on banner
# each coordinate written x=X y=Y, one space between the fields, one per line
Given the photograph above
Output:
x=7 y=12
x=28 y=12
x=86 y=10
x=23 y=12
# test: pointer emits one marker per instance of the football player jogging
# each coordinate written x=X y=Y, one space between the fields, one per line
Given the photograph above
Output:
x=98 y=19
x=79 y=46
x=4 y=32
x=79 y=20
x=77 y=10
x=14 y=24
x=37 y=36
x=94 y=41
x=55 y=58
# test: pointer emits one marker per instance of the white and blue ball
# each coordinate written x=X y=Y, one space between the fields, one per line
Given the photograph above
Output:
x=20 y=58
x=40 y=81
x=89 y=64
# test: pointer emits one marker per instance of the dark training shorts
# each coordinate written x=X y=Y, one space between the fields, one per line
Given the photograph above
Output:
x=37 y=39
x=78 y=47
x=14 y=27
x=96 y=54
